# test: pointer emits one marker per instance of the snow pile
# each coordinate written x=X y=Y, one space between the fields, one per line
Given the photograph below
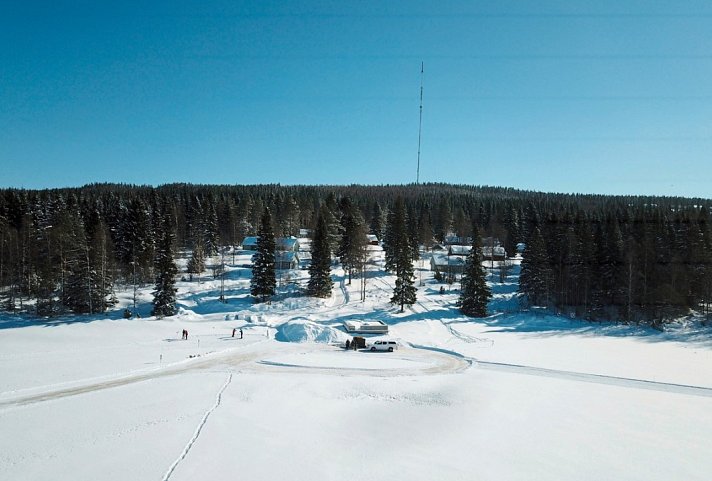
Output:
x=302 y=330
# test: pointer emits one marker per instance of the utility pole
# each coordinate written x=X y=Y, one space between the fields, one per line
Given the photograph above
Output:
x=420 y=123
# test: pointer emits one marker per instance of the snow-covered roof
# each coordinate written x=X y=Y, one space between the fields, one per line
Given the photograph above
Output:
x=366 y=326
x=452 y=239
x=287 y=243
x=249 y=241
x=445 y=260
x=458 y=250
x=304 y=244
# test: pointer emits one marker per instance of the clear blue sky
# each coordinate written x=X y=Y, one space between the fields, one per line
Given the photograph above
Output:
x=609 y=97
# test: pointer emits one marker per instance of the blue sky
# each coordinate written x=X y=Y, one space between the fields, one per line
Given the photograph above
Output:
x=611 y=97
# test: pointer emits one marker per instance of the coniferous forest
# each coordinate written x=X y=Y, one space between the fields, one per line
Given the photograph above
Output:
x=625 y=258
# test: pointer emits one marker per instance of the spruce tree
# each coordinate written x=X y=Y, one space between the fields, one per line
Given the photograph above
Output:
x=353 y=237
x=425 y=228
x=535 y=277
x=475 y=294
x=390 y=242
x=412 y=229
x=264 y=280
x=404 y=292
x=378 y=220
x=88 y=282
x=134 y=243
x=209 y=225
x=196 y=263
x=320 y=283
x=164 y=296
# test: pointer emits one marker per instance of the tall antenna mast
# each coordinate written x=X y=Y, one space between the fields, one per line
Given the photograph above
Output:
x=420 y=123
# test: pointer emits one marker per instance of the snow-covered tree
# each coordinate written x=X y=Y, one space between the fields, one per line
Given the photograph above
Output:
x=264 y=280
x=196 y=263
x=164 y=296
x=404 y=292
x=353 y=237
x=475 y=294
x=535 y=277
x=320 y=283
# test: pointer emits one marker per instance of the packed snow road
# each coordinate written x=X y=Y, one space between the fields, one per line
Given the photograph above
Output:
x=264 y=358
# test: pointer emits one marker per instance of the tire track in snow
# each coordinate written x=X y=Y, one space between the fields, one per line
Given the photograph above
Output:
x=345 y=298
x=597 y=378
x=232 y=357
x=454 y=332
x=200 y=427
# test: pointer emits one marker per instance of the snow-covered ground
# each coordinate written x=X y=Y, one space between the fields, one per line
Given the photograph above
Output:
x=516 y=396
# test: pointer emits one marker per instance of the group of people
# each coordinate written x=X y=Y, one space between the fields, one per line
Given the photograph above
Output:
x=233 y=332
x=185 y=335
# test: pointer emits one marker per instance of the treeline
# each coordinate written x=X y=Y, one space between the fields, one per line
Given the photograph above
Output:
x=633 y=263
x=601 y=257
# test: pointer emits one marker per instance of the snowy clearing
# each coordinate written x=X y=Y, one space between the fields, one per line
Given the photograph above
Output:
x=515 y=396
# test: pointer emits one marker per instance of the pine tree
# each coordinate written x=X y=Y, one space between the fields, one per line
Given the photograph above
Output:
x=290 y=217
x=134 y=241
x=164 y=296
x=209 y=229
x=329 y=210
x=378 y=220
x=320 y=283
x=353 y=237
x=535 y=277
x=404 y=292
x=412 y=229
x=390 y=242
x=264 y=280
x=101 y=262
x=87 y=287
x=442 y=220
x=475 y=294
x=196 y=263
x=425 y=228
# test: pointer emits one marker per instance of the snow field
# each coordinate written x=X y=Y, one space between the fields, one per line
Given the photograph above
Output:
x=515 y=396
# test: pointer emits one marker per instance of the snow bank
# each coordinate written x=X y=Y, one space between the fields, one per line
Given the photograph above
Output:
x=302 y=330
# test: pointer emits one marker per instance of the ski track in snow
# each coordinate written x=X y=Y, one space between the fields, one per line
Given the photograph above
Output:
x=554 y=373
x=597 y=378
x=89 y=385
x=207 y=414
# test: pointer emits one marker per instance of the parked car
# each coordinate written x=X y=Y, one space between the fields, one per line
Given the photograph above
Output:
x=389 y=346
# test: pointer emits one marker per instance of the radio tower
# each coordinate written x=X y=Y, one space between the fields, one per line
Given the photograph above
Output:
x=420 y=123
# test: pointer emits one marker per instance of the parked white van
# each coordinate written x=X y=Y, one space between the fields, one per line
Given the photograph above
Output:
x=389 y=346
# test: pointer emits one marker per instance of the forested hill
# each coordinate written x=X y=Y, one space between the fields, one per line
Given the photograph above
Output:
x=600 y=257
